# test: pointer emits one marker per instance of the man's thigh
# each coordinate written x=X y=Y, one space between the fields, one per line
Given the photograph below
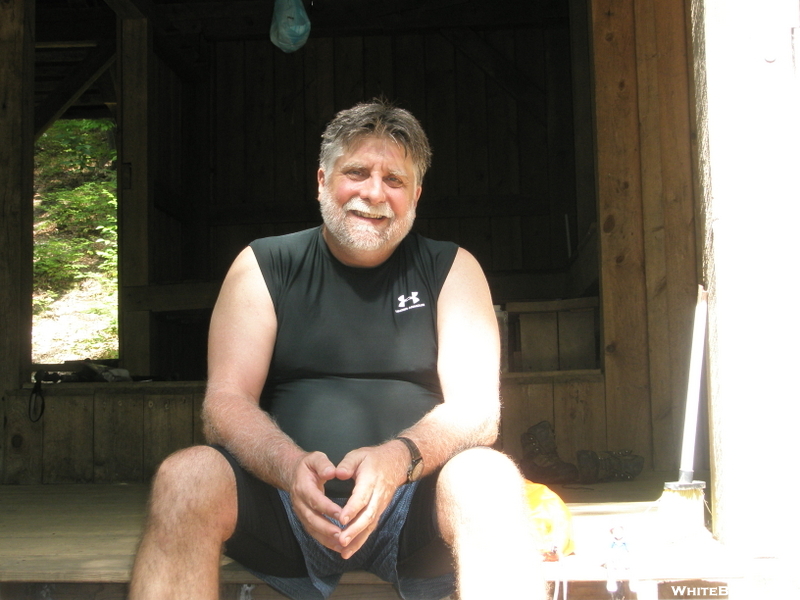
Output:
x=263 y=539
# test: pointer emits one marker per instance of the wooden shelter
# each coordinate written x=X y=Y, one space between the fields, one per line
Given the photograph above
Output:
x=570 y=156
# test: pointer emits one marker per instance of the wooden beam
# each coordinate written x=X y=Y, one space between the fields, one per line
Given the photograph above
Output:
x=622 y=260
x=171 y=297
x=135 y=184
x=165 y=45
x=16 y=189
x=668 y=214
x=251 y=20
x=73 y=86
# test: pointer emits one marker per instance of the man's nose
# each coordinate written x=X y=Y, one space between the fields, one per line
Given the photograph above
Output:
x=372 y=189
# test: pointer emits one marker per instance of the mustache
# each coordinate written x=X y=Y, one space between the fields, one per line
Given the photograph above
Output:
x=373 y=210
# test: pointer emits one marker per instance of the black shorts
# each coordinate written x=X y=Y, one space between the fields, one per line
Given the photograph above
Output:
x=264 y=542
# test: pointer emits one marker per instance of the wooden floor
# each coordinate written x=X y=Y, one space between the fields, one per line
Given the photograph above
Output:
x=70 y=541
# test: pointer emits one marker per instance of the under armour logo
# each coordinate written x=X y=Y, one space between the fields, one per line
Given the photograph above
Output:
x=402 y=302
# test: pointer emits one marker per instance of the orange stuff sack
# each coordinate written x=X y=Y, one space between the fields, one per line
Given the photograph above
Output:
x=550 y=519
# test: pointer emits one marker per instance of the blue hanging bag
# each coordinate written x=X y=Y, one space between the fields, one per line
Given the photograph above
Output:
x=290 y=25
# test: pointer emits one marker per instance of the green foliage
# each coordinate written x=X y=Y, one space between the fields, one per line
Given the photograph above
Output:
x=73 y=152
x=75 y=235
x=75 y=232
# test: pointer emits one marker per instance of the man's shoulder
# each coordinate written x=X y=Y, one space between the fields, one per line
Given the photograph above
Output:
x=298 y=240
x=417 y=240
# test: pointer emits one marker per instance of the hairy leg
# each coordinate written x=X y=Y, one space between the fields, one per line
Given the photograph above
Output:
x=481 y=511
x=192 y=512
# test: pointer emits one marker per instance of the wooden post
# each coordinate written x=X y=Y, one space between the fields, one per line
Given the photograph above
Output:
x=646 y=219
x=16 y=193
x=749 y=127
x=135 y=189
x=668 y=215
x=620 y=221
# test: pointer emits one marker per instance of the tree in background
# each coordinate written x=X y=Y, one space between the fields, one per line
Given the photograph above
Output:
x=75 y=234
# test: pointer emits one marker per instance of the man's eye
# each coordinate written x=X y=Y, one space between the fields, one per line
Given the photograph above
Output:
x=394 y=181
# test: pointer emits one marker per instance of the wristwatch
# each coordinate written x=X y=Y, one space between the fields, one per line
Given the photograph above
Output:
x=416 y=466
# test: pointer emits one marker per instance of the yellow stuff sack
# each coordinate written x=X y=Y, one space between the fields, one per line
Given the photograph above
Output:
x=550 y=519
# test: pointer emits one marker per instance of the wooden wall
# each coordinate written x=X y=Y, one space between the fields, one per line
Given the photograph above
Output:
x=646 y=219
x=98 y=433
x=503 y=177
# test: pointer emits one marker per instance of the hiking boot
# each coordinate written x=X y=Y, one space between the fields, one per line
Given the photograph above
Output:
x=617 y=465
x=540 y=462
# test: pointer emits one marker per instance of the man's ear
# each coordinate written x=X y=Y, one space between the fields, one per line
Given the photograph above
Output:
x=417 y=195
x=320 y=179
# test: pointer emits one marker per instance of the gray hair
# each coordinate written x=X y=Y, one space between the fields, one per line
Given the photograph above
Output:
x=381 y=119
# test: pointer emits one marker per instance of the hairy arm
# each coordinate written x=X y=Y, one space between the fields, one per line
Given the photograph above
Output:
x=469 y=371
x=241 y=341
x=469 y=368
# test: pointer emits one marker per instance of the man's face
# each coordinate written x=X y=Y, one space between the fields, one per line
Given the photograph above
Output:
x=369 y=199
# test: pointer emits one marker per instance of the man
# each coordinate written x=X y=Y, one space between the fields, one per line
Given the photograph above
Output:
x=352 y=394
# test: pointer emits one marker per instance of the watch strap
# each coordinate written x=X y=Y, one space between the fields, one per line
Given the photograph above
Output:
x=416 y=457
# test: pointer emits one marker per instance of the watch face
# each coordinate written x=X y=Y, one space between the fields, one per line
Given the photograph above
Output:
x=416 y=471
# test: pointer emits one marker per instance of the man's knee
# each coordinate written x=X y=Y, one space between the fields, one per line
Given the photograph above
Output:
x=196 y=480
x=481 y=470
x=477 y=485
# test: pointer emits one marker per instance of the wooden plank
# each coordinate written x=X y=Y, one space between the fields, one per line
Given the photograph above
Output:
x=349 y=71
x=553 y=305
x=582 y=106
x=118 y=437
x=620 y=217
x=658 y=326
x=475 y=235
x=560 y=146
x=579 y=417
x=538 y=341
x=135 y=67
x=67 y=440
x=259 y=132
x=524 y=405
x=291 y=169
x=134 y=340
x=506 y=243
x=320 y=108
x=378 y=67
x=530 y=55
x=679 y=210
x=17 y=24
x=173 y=296
x=503 y=138
x=231 y=123
x=472 y=127
x=409 y=75
x=578 y=339
x=439 y=122
x=168 y=426
x=22 y=442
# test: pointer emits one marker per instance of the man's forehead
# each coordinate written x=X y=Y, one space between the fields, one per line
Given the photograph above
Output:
x=359 y=155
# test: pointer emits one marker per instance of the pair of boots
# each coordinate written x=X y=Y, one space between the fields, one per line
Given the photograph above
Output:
x=541 y=463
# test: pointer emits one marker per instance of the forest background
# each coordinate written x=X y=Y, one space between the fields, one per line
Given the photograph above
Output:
x=75 y=243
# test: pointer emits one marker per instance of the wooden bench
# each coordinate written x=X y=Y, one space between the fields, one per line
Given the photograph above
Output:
x=67 y=541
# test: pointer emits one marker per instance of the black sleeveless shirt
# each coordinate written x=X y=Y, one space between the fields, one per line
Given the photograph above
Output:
x=355 y=360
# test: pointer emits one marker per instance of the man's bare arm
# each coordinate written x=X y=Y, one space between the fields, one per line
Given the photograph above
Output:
x=241 y=341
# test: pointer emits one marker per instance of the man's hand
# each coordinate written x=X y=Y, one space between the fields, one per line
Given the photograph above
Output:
x=309 y=501
x=378 y=471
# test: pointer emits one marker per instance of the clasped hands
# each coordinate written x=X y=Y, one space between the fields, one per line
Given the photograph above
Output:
x=377 y=472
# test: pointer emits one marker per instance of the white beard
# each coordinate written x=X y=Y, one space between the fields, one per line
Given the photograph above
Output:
x=360 y=235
